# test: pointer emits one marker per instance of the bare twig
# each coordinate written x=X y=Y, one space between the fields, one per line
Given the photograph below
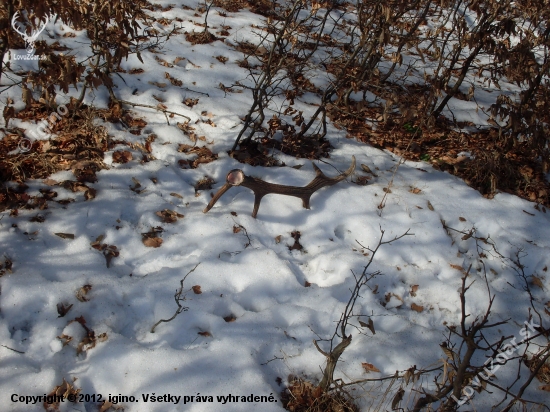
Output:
x=178 y=298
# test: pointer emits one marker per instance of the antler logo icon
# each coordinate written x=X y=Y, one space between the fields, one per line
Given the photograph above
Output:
x=29 y=40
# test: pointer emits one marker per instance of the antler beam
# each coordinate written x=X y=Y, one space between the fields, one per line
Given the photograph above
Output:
x=236 y=177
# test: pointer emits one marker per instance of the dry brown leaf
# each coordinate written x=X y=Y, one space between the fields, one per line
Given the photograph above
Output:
x=169 y=216
x=222 y=59
x=62 y=309
x=397 y=398
x=65 y=235
x=49 y=182
x=176 y=195
x=448 y=351
x=368 y=170
x=414 y=288
x=122 y=156
x=63 y=390
x=190 y=102
x=159 y=84
x=110 y=251
x=206 y=334
x=537 y=281
x=430 y=206
x=457 y=267
x=369 y=367
x=82 y=292
x=197 y=289
x=236 y=229
x=278 y=239
x=230 y=318
x=417 y=308
x=415 y=190
x=65 y=339
x=369 y=325
x=296 y=236
x=105 y=406
x=362 y=180
x=90 y=193
x=461 y=219
x=152 y=241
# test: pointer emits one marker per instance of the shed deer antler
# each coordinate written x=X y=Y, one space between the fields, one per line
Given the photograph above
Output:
x=236 y=177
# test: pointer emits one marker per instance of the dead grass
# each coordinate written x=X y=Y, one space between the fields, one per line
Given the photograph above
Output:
x=303 y=396
x=79 y=145
x=492 y=166
x=203 y=37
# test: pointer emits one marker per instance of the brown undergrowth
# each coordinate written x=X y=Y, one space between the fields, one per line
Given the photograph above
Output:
x=485 y=161
x=79 y=145
x=303 y=396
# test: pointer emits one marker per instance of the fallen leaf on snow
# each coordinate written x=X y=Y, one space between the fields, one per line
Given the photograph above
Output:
x=122 y=156
x=65 y=235
x=417 y=308
x=65 y=339
x=169 y=216
x=197 y=289
x=62 y=309
x=152 y=241
x=82 y=292
x=457 y=267
x=368 y=170
x=369 y=367
x=296 y=236
x=369 y=325
x=537 y=281
x=65 y=389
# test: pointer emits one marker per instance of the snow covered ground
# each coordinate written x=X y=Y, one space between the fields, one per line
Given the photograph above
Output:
x=253 y=323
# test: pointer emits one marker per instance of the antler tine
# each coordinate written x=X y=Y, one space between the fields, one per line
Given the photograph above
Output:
x=321 y=180
x=261 y=188
x=15 y=26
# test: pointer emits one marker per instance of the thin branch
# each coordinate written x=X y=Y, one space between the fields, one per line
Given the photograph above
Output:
x=177 y=298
